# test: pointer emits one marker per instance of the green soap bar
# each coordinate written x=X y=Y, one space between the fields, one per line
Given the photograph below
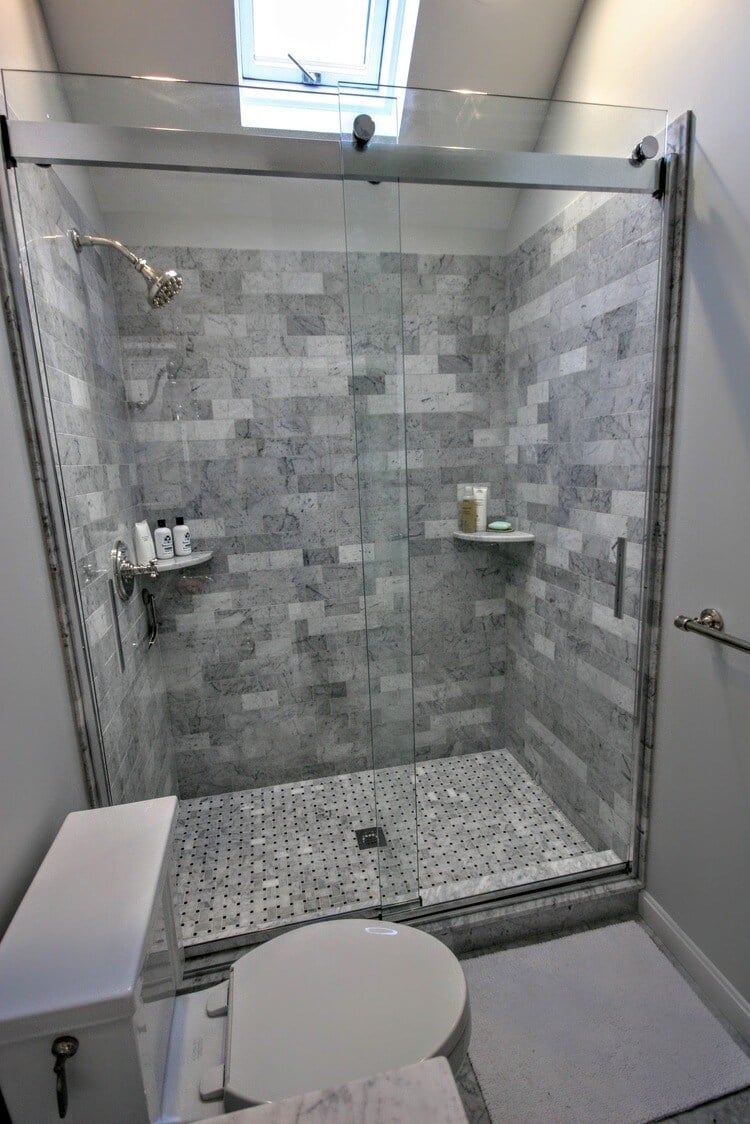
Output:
x=499 y=525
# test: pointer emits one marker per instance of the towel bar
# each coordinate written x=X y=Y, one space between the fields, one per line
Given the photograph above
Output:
x=710 y=622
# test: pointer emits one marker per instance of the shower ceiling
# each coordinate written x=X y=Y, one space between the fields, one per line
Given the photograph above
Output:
x=459 y=44
x=174 y=208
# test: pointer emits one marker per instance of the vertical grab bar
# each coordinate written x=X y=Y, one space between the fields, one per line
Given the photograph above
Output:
x=620 y=548
x=116 y=625
x=153 y=624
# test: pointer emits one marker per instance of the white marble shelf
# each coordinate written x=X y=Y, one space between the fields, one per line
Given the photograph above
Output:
x=197 y=558
x=424 y=1091
x=499 y=537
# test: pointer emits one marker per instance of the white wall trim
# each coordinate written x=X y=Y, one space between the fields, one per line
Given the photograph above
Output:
x=723 y=994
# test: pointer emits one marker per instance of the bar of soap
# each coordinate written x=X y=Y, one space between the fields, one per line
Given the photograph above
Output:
x=499 y=525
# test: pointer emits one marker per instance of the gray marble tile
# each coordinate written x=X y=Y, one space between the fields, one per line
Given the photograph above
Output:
x=471 y=1095
x=90 y=423
x=578 y=380
x=422 y=1092
x=531 y=372
x=254 y=860
x=254 y=443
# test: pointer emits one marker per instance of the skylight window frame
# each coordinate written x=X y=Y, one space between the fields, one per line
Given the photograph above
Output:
x=254 y=70
x=293 y=108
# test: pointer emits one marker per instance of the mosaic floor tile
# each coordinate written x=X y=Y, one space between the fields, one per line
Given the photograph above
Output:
x=268 y=857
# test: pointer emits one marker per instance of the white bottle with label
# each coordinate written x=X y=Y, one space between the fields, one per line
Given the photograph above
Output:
x=181 y=538
x=481 y=495
x=163 y=540
x=144 y=544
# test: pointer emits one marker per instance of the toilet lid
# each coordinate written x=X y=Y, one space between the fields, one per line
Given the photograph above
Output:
x=335 y=1001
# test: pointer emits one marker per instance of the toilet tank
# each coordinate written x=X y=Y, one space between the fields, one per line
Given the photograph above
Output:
x=93 y=953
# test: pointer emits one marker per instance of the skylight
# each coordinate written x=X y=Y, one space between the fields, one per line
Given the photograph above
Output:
x=294 y=55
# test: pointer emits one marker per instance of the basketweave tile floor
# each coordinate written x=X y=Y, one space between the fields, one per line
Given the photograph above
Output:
x=261 y=858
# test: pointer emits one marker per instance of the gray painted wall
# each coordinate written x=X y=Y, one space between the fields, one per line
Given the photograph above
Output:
x=694 y=56
x=40 y=773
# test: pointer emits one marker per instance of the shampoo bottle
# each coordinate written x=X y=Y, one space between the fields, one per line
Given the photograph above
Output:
x=163 y=540
x=181 y=538
x=481 y=495
x=467 y=509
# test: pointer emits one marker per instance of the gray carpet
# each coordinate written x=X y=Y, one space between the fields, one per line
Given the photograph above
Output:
x=595 y=1028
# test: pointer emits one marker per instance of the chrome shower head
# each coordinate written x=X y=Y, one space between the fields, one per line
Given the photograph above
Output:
x=162 y=287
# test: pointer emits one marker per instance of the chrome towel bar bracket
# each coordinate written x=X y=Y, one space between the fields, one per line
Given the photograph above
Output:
x=710 y=622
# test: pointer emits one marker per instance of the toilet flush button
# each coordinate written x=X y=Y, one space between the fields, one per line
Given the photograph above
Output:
x=211 y=1087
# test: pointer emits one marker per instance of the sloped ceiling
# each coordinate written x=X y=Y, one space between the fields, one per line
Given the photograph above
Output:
x=500 y=46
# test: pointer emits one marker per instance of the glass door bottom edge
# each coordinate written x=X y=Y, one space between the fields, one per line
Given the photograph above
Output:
x=223 y=950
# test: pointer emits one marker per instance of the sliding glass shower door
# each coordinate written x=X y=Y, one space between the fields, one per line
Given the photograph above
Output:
x=373 y=259
x=503 y=334
x=362 y=710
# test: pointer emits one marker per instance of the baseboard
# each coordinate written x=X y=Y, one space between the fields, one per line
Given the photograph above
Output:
x=715 y=986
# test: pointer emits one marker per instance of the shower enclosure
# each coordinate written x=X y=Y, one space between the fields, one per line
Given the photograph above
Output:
x=360 y=711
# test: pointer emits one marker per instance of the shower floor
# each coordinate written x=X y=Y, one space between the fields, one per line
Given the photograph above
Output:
x=261 y=858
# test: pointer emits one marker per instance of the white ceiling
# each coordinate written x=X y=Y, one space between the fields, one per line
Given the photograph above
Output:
x=500 y=46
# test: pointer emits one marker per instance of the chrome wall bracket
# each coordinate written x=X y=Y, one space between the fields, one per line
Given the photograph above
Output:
x=124 y=572
x=710 y=622
x=709 y=618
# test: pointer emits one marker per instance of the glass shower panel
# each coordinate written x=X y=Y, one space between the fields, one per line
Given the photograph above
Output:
x=336 y=366
x=528 y=336
x=230 y=406
x=373 y=256
x=94 y=446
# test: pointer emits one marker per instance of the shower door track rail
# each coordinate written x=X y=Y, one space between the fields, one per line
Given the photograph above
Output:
x=114 y=146
x=222 y=951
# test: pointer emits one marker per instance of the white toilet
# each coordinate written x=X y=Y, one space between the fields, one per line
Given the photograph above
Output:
x=91 y=962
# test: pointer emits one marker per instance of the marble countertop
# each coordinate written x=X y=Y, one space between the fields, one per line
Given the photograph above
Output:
x=423 y=1092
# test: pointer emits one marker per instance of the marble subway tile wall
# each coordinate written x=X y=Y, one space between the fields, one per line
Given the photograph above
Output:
x=454 y=322
x=375 y=307
x=85 y=396
x=578 y=380
x=253 y=441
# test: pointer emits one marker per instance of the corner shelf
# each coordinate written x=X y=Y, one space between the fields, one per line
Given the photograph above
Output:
x=197 y=558
x=487 y=538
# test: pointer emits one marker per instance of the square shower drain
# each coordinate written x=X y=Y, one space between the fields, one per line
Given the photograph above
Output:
x=370 y=837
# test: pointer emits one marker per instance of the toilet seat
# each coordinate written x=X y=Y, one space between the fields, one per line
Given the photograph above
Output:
x=337 y=1000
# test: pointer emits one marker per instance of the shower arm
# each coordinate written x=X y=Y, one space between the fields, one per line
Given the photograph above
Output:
x=81 y=240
